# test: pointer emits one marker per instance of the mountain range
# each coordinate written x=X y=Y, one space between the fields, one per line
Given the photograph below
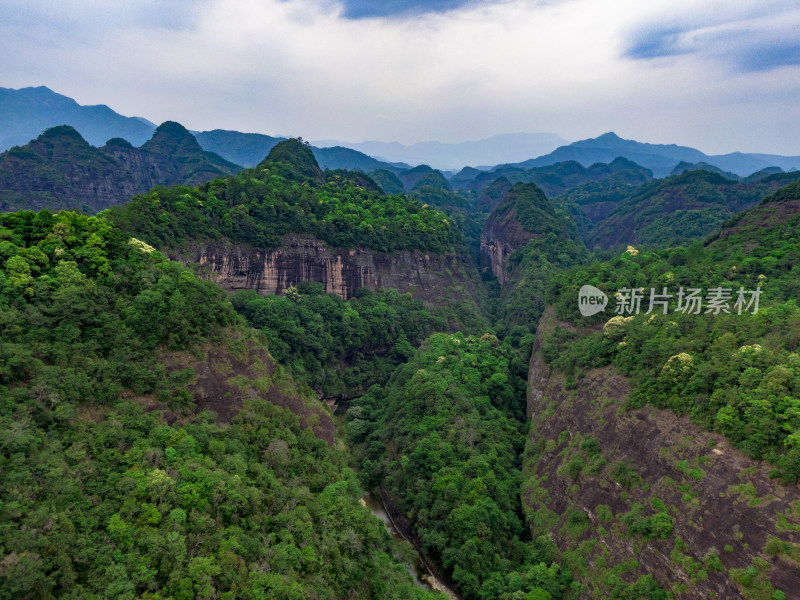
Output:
x=26 y=112
x=60 y=169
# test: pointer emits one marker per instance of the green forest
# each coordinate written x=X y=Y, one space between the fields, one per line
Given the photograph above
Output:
x=165 y=439
x=287 y=193
x=734 y=373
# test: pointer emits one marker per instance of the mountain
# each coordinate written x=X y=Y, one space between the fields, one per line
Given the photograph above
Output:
x=557 y=178
x=646 y=434
x=60 y=169
x=26 y=112
x=150 y=425
x=246 y=149
x=679 y=209
x=661 y=159
x=503 y=148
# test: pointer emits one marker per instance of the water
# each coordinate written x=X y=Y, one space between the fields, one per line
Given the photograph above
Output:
x=422 y=577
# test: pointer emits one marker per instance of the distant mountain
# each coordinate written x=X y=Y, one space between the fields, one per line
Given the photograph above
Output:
x=246 y=149
x=60 y=169
x=504 y=148
x=249 y=149
x=26 y=112
x=679 y=209
x=661 y=159
x=557 y=178
x=684 y=166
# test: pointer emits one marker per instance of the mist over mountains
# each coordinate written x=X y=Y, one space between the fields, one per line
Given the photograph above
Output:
x=26 y=112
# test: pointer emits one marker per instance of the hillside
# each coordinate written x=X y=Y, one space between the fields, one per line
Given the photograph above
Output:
x=26 y=112
x=214 y=427
x=114 y=360
x=696 y=507
x=558 y=178
x=675 y=210
x=60 y=169
x=661 y=159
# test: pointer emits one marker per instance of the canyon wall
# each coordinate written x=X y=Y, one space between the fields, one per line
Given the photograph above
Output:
x=637 y=493
x=342 y=271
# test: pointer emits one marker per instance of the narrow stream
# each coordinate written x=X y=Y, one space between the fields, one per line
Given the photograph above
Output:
x=422 y=577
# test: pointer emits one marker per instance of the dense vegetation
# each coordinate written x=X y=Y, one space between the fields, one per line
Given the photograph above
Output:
x=679 y=209
x=100 y=497
x=59 y=169
x=338 y=347
x=286 y=193
x=445 y=437
x=735 y=373
x=555 y=246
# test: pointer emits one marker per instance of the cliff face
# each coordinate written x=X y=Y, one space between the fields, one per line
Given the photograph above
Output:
x=729 y=531
x=501 y=236
x=60 y=170
x=341 y=271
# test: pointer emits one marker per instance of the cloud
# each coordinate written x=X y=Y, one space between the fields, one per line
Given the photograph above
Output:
x=661 y=71
x=737 y=36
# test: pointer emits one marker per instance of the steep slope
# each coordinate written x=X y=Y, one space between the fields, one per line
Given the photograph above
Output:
x=283 y=222
x=26 y=112
x=118 y=481
x=641 y=499
x=627 y=465
x=524 y=214
x=680 y=208
x=60 y=169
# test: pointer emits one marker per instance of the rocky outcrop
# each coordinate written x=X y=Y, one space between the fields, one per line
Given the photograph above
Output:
x=734 y=530
x=61 y=170
x=238 y=369
x=501 y=236
x=341 y=271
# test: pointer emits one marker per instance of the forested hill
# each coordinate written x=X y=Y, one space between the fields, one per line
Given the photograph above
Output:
x=117 y=481
x=59 y=169
x=288 y=193
x=734 y=373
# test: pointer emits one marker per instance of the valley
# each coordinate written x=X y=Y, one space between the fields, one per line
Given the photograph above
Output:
x=166 y=364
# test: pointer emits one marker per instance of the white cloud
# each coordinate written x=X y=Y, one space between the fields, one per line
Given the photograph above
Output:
x=298 y=67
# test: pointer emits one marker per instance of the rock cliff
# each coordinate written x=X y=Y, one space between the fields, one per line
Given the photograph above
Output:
x=501 y=236
x=632 y=493
x=341 y=271
x=61 y=170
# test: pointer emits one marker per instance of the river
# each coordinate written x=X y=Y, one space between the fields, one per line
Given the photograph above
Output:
x=422 y=577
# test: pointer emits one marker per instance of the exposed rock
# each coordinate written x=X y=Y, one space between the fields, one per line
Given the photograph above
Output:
x=727 y=505
x=61 y=170
x=227 y=375
x=341 y=271
x=501 y=236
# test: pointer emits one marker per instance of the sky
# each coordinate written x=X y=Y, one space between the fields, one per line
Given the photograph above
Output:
x=716 y=75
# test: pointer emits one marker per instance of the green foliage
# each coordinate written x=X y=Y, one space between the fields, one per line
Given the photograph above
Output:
x=658 y=525
x=100 y=497
x=339 y=347
x=734 y=373
x=444 y=437
x=286 y=193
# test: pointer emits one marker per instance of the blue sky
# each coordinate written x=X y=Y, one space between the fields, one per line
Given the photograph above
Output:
x=720 y=76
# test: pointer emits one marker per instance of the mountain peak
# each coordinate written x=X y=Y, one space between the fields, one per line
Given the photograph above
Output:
x=172 y=138
x=610 y=137
x=61 y=132
x=298 y=159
